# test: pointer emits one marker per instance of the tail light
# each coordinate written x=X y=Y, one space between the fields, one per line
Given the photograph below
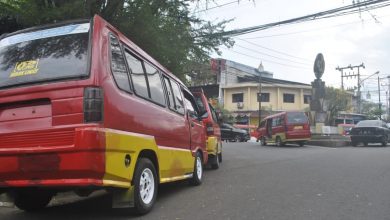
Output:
x=209 y=129
x=93 y=104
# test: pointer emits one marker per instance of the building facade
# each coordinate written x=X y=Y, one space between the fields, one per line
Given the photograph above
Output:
x=240 y=85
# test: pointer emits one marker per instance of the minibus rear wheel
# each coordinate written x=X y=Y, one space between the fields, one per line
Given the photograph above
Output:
x=145 y=186
x=32 y=200
x=214 y=161
x=197 y=176
x=263 y=142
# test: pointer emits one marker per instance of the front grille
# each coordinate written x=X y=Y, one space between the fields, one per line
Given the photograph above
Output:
x=47 y=138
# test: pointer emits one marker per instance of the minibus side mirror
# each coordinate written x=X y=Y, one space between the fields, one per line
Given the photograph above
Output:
x=219 y=117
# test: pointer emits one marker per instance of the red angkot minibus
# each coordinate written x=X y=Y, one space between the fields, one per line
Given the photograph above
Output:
x=83 y=108
x=285 y=127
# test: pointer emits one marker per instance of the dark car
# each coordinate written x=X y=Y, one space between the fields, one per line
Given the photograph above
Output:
x=231 y=133
x=370 y=131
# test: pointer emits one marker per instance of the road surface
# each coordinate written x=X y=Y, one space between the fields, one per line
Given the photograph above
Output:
x=260 y=182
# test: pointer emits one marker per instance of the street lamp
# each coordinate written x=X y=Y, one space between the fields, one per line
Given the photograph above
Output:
x=359 y=85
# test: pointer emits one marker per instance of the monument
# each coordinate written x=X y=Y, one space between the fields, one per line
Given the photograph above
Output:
x=319 y=116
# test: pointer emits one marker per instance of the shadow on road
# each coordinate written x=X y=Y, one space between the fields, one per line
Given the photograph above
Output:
x=95 y=207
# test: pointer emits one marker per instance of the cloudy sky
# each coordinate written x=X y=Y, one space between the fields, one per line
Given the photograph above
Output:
x=289 y=51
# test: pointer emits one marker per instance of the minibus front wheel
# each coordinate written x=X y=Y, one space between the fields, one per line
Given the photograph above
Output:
x=278 y=141
x=197 y=175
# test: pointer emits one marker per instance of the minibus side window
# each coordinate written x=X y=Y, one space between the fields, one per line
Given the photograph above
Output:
x=179 y=105
x=118 y=65
x=137 y=75
x=171 y=101
x=155 y=85
x=274 y=122
x=190 y=104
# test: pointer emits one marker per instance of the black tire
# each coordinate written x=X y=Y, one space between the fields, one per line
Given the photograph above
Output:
x=197 y=175
x=365 y=144
x=220 y=157
x=278 y=141
x=353 y=143
x=32 y=200
x=214 y=161
x=301 y=143
x=237 y=138
x=145 y=172
x=384 y=141
x=263 y=141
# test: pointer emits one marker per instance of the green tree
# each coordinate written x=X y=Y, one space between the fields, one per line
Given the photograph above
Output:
x=372 y=110
x=166 y=29
x=336 y=100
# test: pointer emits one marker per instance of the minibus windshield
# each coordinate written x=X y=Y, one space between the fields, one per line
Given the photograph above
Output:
x=44 y=55
x=296 y=117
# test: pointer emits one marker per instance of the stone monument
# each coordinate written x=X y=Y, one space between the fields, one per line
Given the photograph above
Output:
x=318 y=94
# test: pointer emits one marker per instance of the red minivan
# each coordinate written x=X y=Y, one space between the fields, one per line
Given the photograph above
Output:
x=285 y=127
x=213 y=131
x=83 y=108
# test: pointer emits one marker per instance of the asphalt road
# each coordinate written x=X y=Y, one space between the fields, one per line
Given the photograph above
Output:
x=256 y=182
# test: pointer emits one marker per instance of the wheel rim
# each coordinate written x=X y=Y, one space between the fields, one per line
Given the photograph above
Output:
x=146 y=186
x=199 y=167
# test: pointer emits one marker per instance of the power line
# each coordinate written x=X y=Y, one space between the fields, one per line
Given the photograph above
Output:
x=257 y=58
x=309 y=30
x=336 y=12
x=265 y=54
x=273 y=50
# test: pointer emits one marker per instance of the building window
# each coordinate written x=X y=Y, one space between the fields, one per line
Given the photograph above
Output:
x=239 y=97
x=288 y=98
x=264 y=97
x=306 y=99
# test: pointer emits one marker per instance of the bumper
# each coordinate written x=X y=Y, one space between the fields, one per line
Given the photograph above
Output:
x=87 y=159
x=367 y=139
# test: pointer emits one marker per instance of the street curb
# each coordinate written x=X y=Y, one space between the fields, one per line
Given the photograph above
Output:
x=329 y=143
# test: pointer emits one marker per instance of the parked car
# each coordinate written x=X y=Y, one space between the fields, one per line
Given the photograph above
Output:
x=212 y=129
x=82 y=108
x=231 y=133
x=370 y=131
x=252 y=129
x=285 y=127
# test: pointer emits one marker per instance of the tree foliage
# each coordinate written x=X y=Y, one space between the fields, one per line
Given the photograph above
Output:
x=372 y=110
x=166 y=29
x=336 y=100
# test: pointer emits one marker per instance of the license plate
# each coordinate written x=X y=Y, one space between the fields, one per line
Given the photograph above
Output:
x=298 y=127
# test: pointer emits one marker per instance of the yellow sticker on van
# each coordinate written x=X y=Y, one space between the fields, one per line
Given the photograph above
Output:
x=25 y=68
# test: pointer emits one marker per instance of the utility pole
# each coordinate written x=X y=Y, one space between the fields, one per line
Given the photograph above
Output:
x=388 y=98
x=259 y=98
x=344 y=75
x=379 y=99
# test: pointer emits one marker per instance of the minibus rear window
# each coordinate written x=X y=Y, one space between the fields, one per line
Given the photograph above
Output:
x=44 y=55
x=296 y=118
